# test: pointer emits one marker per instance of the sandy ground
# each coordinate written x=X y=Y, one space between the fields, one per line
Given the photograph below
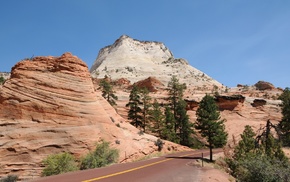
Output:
x=209 y=173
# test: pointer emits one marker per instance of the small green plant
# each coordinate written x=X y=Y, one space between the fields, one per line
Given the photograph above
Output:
x=9 y=178
x=103 y=155
x=59 y=163
x=2 y=80
x=159 y=144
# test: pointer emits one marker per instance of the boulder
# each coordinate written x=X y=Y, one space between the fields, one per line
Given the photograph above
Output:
x=262 y=85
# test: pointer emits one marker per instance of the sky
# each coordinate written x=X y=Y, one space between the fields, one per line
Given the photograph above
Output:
x=233 y=41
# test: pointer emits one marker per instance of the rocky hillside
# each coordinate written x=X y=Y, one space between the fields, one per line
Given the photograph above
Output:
x=49 y=105
x=146 y=63
x=137 y=60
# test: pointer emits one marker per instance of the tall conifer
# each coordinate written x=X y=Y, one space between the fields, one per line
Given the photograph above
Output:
x=209 y=124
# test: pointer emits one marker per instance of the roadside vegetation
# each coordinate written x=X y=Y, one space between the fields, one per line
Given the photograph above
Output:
x=60 y=163
x=9 y=178
x=259 y=156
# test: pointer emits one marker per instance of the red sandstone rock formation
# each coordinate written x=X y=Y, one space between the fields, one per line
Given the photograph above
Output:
x=191 y=104
x=229 y=102
x=122 y=82
x=262 y=85
x=49 y=105
x=151 y=83
x=259 y=102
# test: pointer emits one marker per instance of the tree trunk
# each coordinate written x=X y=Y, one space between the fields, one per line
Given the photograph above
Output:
x=210 y=153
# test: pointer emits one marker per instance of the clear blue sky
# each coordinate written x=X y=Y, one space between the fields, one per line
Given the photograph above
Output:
x=233 y=41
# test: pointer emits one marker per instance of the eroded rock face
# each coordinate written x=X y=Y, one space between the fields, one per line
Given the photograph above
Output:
x=49 y=105
x=259 y=102
x=229 y=102
x=48 y=87
x=137 y=60
x=262 y=85
x=191 y=104
x=151 y=83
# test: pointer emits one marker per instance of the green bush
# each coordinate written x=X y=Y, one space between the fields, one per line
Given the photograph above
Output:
x=2 y=80
x=9 y=178
x=159 y=144
x=59 y=163
x=257 y=168
x=103 y=155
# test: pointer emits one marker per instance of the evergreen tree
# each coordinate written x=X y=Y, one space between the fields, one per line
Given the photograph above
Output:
x=285 y=122
x=175 y=92
x=263 y=162
x=135 y=111
x=246 y=144
x=107 y=91
x=146 y=104
x=156 y=118
x=209 y=124
x=185 y=130
x=168 y=132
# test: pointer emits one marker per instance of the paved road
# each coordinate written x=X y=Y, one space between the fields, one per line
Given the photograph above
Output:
x=171 y=168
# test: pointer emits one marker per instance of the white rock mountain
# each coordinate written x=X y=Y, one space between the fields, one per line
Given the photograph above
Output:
x=137 y=60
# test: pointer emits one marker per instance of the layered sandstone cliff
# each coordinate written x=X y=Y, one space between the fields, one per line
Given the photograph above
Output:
x=49 y=105
x=137 y=60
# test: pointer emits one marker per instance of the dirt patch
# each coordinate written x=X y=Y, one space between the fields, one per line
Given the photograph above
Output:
x=210 y=173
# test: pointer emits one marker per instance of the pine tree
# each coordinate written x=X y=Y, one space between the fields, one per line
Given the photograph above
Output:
x=246 y=144
x=209 y=124
x=135 y=111
x=107 y=91
x=156 y=118
x=186 y=128
x=285 y=122
x=146 y=105
x=259 y=158
x=168 y=132
x=175 y=92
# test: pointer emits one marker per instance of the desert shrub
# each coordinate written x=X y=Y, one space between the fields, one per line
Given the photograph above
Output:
x=2 y=80
x=103 y=155
x=253 y=161
x=9 y=178
x=59 y=163
x=257 y=168
x=159 y=144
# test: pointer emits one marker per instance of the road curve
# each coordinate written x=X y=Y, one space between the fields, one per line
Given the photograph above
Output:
x=170 y=168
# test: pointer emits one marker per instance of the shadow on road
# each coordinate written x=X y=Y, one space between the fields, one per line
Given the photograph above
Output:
x=204 y=159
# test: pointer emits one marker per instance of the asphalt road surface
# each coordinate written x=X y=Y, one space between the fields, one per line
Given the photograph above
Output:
x=170 y=168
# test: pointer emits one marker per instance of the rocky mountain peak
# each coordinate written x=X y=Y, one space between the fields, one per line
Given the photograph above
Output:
x=137 y=60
